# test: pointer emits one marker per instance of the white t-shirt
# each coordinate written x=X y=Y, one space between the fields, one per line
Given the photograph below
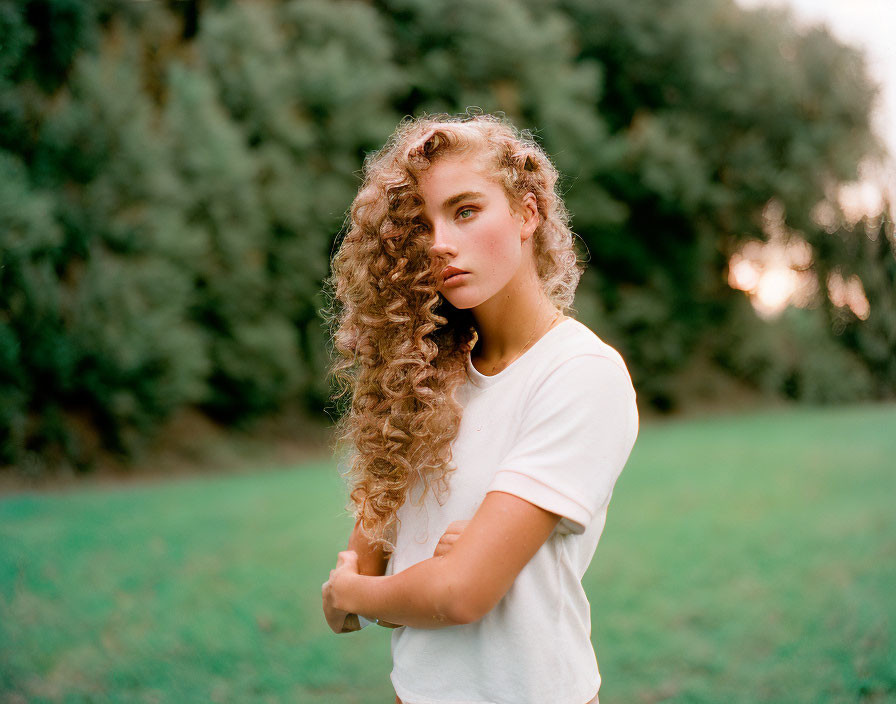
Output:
x=555 y=428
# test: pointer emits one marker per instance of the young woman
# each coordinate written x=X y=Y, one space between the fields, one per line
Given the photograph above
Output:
x=487 y=428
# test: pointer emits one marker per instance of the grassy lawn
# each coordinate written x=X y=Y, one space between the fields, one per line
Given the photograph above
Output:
x=745 y=559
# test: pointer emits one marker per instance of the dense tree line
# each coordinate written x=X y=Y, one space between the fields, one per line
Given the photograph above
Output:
x=173 y=178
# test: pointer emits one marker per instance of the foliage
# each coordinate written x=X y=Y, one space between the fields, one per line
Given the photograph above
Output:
x=868 y=251
x=174 y=177
x=794 y=355
x=305 y=87
x=720 y=110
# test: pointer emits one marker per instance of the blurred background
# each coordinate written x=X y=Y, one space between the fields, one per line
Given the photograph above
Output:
x=173 y=177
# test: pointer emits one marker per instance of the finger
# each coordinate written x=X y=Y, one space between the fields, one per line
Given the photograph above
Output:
x=348 y=563
x=457 y=527
x=446 y=542
x=335 y=621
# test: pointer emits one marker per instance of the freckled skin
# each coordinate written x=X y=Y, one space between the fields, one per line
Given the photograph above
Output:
x=480 y=236
x=493 y=244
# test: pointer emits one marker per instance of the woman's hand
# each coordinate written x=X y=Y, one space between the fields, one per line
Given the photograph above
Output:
x=449 y=537
x=334 y=589
x=339 y=619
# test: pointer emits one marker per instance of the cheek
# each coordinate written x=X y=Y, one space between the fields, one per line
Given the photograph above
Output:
x=498 y=244
x=504 y=252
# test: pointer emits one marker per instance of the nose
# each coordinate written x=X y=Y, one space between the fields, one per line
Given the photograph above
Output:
x=442 y=244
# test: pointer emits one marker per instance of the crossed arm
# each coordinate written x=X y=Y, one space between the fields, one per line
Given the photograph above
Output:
x=456 y=587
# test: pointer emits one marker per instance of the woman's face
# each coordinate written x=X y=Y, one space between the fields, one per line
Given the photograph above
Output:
x=473 y=229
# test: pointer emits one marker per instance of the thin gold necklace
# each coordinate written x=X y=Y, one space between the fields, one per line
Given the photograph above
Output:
x=499 y=368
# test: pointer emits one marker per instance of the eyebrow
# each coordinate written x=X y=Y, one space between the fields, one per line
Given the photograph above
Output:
x=462 y=196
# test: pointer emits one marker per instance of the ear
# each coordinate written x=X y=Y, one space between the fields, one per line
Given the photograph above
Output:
x=529 y=213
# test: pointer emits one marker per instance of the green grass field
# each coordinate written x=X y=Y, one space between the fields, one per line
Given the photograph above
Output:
x=745 y=559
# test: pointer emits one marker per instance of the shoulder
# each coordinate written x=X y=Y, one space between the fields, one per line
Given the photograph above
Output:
x=578 y=356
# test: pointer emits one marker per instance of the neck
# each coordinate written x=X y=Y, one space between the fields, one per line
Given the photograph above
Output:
x=512 y=319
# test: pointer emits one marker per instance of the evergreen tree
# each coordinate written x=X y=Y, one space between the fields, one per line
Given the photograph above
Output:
x=720 y=110
x=173 y=178
x=306 y=85
x=868 y=252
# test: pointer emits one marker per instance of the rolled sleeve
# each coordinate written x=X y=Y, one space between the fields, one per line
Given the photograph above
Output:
x=576 y=433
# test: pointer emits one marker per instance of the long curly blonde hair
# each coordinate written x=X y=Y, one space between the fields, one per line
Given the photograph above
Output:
x=401 y=348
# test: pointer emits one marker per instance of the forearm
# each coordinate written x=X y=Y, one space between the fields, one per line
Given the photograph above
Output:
x=372 y=559
x=423 y=596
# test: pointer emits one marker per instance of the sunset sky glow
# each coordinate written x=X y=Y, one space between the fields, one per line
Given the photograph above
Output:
x=773 y=274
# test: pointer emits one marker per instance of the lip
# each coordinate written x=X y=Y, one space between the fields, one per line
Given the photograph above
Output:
x=451 y=272
x=455 y=280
